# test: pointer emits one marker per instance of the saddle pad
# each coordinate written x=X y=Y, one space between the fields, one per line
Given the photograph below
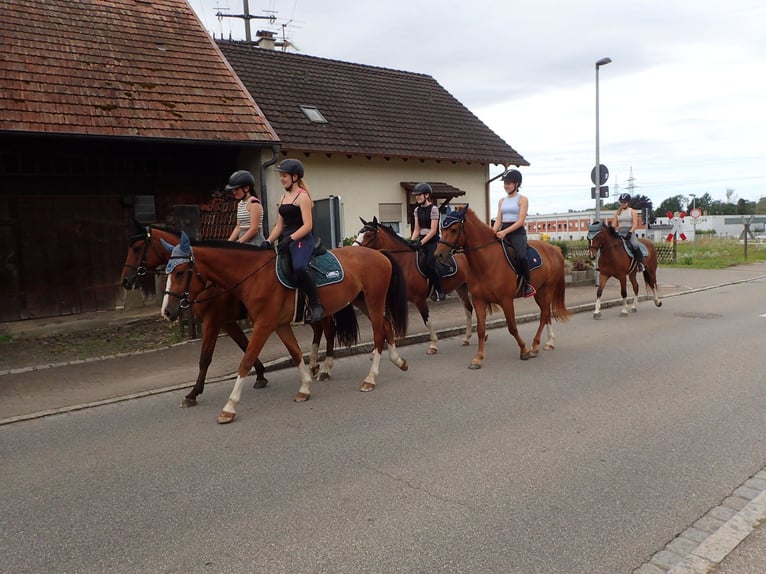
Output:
x=629 y=251
x=447 y=269
x=326 y=267
x=533 y=257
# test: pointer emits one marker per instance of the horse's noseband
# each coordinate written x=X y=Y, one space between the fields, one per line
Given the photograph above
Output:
x=453 y=247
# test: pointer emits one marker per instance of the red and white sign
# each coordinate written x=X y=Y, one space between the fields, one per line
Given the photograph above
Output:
x=677 y=223
x=695 y=213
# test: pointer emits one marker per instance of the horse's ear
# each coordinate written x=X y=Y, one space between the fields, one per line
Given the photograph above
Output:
x=185 y=244
x=374 y=219
x=363 y=221
x=166 y=245
x=138 y=229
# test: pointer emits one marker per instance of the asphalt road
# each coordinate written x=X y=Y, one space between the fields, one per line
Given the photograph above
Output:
x=588 y=459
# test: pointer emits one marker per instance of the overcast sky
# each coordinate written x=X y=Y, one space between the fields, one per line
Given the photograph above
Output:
x=682 y=105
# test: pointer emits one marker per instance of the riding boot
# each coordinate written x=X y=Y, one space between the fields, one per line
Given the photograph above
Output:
x=436 y=281
x=529 y=290
x=639 y=260
x=306 y=282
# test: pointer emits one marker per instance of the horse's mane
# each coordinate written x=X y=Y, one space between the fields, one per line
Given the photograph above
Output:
x=165 y=230
x=226 y=244
x=470 y=215
x=391 y=231
x=612 y=231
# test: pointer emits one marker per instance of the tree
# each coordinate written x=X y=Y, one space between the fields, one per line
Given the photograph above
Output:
x=671 y=204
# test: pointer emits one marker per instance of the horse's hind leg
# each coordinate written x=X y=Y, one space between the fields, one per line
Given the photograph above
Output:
x=422 y=307
x=634 y=283
x=328 y=328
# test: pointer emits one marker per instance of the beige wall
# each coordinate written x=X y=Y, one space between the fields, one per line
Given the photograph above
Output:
x=363 y=184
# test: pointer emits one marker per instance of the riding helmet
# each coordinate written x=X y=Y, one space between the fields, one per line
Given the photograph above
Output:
x=423 y=188
x=291 y=166
x=624 y=197
x=513 y=176
x=240 y=178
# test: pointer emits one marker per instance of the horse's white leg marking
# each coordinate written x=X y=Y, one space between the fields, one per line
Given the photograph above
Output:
x=394 y=355
x=624 y=310
x=433 y=339
x=236 y=393
x=325 y=370
x=305 y=375
x=165 y=299
x=549 y=343
x=597 y=309
x=375 y=367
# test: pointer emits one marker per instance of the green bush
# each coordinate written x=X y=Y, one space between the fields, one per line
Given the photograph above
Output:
x=561 y=245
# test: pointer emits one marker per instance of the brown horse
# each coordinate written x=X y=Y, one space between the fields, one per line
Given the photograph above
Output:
x=492 y=281
x=216 y=308
x=372 y=281
x=615 y=261
x=379 y=236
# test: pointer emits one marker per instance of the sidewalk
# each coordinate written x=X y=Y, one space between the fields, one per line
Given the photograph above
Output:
x=43 y=390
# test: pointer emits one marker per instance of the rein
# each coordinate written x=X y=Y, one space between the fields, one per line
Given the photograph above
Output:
x=184 y=301
x=455 y=249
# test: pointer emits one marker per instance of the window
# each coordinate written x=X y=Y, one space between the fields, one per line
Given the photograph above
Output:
x=390 y=214
x=313 y=114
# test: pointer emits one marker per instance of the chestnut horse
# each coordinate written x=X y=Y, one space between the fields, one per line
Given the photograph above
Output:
x=614 y=261
x=492 y=281
x=372 y=281
x=216 y=309
x=380 y=236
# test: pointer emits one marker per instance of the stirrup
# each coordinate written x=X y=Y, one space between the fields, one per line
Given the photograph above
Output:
x=641 y=268
x=529 y=290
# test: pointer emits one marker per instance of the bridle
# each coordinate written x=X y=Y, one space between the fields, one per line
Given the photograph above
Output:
x=376 y=242
x=183 y=298
x=140 y=269
x=455 y=248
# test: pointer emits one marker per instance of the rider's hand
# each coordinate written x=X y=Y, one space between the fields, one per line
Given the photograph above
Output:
x=266 y=245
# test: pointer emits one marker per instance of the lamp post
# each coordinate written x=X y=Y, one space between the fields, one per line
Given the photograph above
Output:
x=601 y=62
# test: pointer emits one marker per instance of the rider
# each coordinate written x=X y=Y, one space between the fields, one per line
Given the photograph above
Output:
x=625 y=221
x=510 y=221
x=249 y=209
x=294 y=229
x=426 y=232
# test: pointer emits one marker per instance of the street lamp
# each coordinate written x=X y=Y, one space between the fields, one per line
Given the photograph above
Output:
x=601 y=62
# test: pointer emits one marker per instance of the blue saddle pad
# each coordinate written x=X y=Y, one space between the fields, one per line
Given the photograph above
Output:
x=326 y=268
x=533 y=257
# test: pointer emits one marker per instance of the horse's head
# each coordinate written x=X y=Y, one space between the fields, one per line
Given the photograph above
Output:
x=452 y=233
x=144 y=256
x=179 y=270
x=368 y=234
x=595 y=238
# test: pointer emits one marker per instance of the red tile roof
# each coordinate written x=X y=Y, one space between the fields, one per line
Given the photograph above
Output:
x=119 y=68
x=369 y=110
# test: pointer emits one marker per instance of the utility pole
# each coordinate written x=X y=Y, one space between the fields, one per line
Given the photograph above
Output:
x=247 y=16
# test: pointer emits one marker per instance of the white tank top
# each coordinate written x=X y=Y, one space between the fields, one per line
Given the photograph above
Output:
x=509 y=210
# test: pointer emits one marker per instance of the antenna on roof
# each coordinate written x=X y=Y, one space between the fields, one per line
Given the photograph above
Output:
x=247 y=16
x=286 y=43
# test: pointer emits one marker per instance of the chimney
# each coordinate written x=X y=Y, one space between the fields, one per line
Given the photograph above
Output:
x=265 y=39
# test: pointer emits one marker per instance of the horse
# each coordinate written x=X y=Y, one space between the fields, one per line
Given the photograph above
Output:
x=492 y=281
x=383 y=237
x=372 y=281
x=216 y=310
x=615 y=261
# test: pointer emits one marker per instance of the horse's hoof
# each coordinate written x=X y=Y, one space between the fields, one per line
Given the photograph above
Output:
x=474 y=366
x=634 y=310
x=623 y=313
x=324 y=376
x=301 y=397
x=314 y=371
x=597 y=315
x=225 y=418
x=549 y=347
x=524 y=356
x=260 y=383
x=432 y=351
x=367 y=387
x=404 y=366
x=187 y=402
x=486 y=337
x=533 y=354
x=464 y=343
x=658 y=303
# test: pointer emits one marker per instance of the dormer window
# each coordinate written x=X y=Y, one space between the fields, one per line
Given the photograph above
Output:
x=313 y=114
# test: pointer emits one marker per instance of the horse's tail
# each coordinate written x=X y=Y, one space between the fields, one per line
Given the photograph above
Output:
x=346 y=326
x=396 y=298
x=558 y=303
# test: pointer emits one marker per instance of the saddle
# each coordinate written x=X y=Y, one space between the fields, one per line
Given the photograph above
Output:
x=533 y=260
x=446 y=269
x=629 y=248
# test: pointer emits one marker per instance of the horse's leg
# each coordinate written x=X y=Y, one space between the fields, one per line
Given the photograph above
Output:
x=602 y=279
x=510 y=319
x=543 y=299
x=382 y=331
x=238 y=336
x=328 y=327
x=257 y=341
x=634 y=284
x=314 y=354
x=422 y=307
x=624 y=294
x=286 y=335
x=209 y=339
x=480 y=307
x=465 y=297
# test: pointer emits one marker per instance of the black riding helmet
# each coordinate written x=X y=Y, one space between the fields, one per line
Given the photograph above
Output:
x=513 y=176
x=423 y=188
x=625 y=197
x=240 y=178
x=291 y=166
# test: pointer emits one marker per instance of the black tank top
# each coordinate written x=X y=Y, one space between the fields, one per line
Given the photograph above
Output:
x=291 y=214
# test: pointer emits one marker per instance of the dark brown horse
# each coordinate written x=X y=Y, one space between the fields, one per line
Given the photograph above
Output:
x=372 y=281
x=379 y=236
x=615 y=261
x=493 y=282
x=216 y=308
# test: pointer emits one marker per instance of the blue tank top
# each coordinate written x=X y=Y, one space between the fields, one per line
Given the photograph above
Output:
x=509 y=210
